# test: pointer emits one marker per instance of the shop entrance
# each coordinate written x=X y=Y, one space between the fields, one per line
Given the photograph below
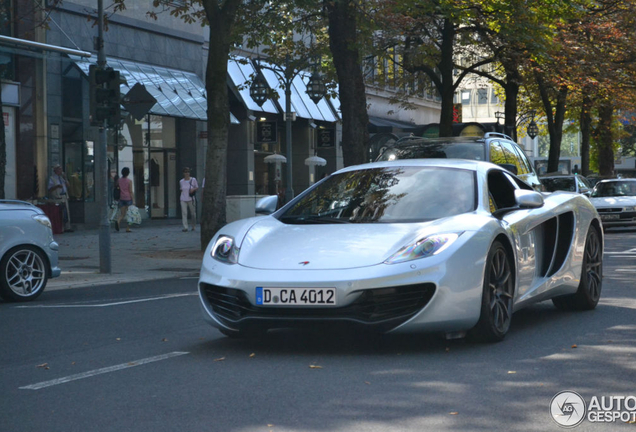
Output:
x=163 y=183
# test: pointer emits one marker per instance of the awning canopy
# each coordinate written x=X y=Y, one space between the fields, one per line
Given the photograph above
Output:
x=378 y=125
x=242 y=72
x=178 y=93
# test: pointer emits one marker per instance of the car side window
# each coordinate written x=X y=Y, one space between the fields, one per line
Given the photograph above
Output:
x=497 y=155
x=512 y=157
x=501 y=190
x=524 y=163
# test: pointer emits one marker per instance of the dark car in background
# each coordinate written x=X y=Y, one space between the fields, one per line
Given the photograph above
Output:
x=28 y=252
x=566 y=182
x=492 y=147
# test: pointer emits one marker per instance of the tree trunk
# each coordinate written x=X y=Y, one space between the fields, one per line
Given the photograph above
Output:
x=585 y=123
x=215 y=190
x=510 y=123
x=447 y=90
x=343 y=41
x=554 y=117
x=605 y=140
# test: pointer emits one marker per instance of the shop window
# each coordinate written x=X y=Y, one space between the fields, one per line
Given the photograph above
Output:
x=79 y=166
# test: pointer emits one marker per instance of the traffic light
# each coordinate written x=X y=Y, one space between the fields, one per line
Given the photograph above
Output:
x=104 y=96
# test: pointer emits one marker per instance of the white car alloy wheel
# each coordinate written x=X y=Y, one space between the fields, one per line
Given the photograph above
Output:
x=23 y=274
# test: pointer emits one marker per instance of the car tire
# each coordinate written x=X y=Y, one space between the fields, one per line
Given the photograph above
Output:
x=244 y=334
x=497 y=298
x=589 y=291
x=23 y=274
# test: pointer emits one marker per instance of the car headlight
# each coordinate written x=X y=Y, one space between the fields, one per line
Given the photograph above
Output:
x=630 y=208
x=424 y=247
x=225 y=250
x=43 y=220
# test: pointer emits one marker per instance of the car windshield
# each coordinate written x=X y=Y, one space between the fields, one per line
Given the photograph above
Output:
x=559 y=184
x=435 y=149
x=385 y=195
x=614 y=189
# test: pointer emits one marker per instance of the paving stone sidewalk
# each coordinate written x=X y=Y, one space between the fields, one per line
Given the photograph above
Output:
x=153 y=250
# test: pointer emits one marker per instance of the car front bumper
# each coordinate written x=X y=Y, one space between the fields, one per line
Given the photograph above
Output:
x=430 y=294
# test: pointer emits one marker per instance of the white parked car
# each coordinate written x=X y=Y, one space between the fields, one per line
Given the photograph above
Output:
x=28 y=252
x=615 y=200
x=442 y=245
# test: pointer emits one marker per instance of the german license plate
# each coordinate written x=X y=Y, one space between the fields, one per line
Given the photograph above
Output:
x=610 y=217
x=295 y=296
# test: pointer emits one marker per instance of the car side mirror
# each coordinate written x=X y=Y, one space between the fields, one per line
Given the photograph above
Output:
x=525 y=199
x=266 y=205
x=528 y=199
x=510 y=167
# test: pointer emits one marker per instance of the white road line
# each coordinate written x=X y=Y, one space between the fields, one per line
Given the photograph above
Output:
x=107 y=304
x=89 y=374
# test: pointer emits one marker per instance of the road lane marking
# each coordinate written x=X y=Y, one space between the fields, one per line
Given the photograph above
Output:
x=106 y=304
x=92 y=373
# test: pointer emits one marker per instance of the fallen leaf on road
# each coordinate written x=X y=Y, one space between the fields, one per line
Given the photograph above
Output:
x=453 y=413
x=512 y=372
x=574 y=346
x=252 y=355
x=43 y=365
x=220 y=359
x=447 y=349
x=315 y=367
x=270 y=425
x=131 y=363
x=118 y=339
x=164 y=340
x=367 y=382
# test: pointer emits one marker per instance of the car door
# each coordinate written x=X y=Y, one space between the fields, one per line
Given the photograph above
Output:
x=538 y=235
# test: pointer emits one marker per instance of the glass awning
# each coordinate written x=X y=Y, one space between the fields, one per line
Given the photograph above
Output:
x=178 y=93
x=242 y=71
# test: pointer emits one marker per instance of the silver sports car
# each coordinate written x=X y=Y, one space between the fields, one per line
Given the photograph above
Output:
x=410 y=245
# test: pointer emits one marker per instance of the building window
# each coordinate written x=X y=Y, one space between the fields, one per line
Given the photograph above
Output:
x=482 y=96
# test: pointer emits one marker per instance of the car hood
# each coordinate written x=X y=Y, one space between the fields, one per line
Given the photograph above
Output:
x=613 y=201
x=273 y=245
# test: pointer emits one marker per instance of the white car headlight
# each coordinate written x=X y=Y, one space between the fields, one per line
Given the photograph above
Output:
x=424 y=247
x=225 y=250
x=43 y=220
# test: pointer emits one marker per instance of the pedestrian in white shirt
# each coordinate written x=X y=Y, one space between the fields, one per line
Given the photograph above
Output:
x=188 y=186
x=58 y=190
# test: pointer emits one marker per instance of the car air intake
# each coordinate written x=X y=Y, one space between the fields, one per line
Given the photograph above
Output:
x=372 y=305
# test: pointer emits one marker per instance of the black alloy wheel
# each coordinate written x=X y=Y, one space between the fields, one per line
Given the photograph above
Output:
x=497 y=300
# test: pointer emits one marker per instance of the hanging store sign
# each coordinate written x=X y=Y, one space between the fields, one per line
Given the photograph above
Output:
x=326 y=138
x=266 y=132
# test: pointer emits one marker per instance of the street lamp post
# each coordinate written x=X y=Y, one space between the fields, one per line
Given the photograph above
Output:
x=499 y=115
x=259 y=90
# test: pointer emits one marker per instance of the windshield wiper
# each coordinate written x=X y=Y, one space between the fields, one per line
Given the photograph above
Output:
x=311 y=219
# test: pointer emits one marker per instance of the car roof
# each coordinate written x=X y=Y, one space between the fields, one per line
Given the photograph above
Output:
x=16 y=205
x=616 y=180
x=560 y=176
x=467 y=164
x=453 y=139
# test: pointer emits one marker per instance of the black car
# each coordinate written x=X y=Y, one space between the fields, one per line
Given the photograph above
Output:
x=492 y=147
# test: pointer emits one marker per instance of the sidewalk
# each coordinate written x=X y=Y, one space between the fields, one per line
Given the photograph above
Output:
x=153 y=250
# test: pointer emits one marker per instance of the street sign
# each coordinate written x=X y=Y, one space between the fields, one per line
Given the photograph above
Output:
x=138 y=101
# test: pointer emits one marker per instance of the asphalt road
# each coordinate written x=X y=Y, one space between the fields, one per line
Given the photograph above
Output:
x=139 y=357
